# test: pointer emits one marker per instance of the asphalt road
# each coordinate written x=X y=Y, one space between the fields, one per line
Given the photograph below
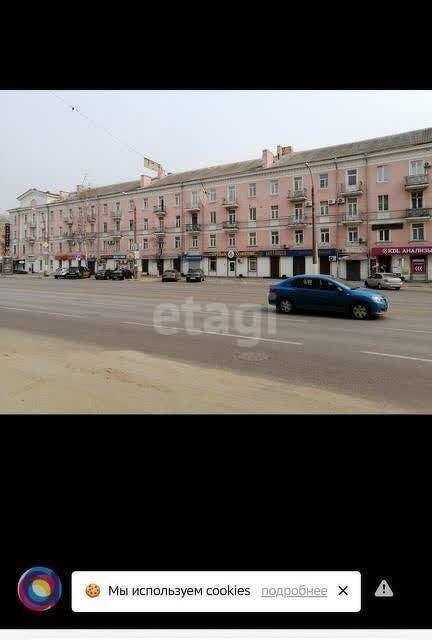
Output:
x=388 y=359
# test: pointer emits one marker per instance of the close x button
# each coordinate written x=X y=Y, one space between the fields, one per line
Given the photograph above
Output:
x=343 y=591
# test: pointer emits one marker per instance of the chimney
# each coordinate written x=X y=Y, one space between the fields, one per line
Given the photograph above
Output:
x=267 y=158
x=287 y=150
x=145 y=181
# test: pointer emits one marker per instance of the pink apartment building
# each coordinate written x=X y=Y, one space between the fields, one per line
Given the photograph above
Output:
x=372 y=202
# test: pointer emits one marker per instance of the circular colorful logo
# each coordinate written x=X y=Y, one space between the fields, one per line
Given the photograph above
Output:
x=39 y=589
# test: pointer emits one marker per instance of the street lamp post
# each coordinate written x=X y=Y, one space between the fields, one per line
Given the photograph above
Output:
x=135 y=245
x=314 y=236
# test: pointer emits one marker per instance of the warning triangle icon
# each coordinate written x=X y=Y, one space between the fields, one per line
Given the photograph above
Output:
x=384 y=590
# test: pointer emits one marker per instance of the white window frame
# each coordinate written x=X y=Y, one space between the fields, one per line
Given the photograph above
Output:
x=380 y=235
x=324 y=208
x=274 y=235
x=252 y=214
x=352 y=208
x=381 y=202
x=194 y=198
x=145 y=243
x=300 y=179
x=212 y=240
x=298 y=233
x=145 y=203
x=231 y=240
x=414 y=162
x=417 y=226
x=231 y=188
x=252 y=239
x=274 y=187
x=252 y=261
x=298 y=214
x=213 y=261
x=324 y=177
x=274 y=212
x=177 y=199
x=145 y=224
x=348 y=172
x=252 y=190
x=418 y=195
x=178 y=222
x=213 y=217
x=351 y=232
x=385 y=173
x=211 y=195
x=195 y=244
x=177 y=242
x=326 y=232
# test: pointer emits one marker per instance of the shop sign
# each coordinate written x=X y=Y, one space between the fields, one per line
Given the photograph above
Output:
x=119 y=256
x=231 y=253
x=382 y=251
x=419 y=265
x=246 y=254
x=215 y=254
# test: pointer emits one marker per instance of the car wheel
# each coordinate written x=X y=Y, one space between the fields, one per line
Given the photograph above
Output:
x=398 y=288
x=360 y=311
x=285 y=306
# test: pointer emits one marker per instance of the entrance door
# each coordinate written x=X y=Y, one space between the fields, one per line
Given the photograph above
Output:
x=324 y=264
x=91 y=266
x=274 y=267
x=176 y=264
x=353 y=270
x=160 y=266
x=299 y=265
x=231 y=268
x=418 y=268
x=144 y=264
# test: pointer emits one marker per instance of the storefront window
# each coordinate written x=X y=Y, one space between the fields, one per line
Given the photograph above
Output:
x=252 y=264
x=213 y=265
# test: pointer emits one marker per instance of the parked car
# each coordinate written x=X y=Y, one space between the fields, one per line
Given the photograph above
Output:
x=323 y=293
x=118 y=274
x=60 y=272
x=384 y=281
x=171 y=275
x=75 y=273
x=195 y=275
x=104 y=274
x=19 y=271
x=128 y=273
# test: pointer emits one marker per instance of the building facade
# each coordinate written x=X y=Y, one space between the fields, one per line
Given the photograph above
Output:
x=372 y=202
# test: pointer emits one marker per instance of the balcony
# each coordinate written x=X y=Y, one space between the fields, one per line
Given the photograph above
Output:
x=297 y=195
x=347 y=190
x=116 y=233
x=91 y=217
x=194 y=206
x=192 y=227
x=351 y=218
x=416 y=183
x=230 y=204
x=297 y=221
x=159 y=209
x=90 y=235
x=419 y=214
x=68 y=221
x=159 y=232
x=230 y=226
x=116 y=215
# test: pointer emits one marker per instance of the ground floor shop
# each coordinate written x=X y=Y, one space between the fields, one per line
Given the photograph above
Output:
x=413 y=263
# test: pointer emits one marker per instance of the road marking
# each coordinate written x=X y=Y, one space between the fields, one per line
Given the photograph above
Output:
x=393 y=355
x=48 y=313
x=408 y=330
x=213 y=333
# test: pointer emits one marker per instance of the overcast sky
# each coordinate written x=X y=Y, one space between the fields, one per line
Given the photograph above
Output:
x=45 y=144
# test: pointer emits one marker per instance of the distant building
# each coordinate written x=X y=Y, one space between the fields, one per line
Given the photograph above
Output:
x=373 y=209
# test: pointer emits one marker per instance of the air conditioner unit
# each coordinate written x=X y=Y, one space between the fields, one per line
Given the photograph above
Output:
x=340 y=200
x=332 y=201
x=308 y=203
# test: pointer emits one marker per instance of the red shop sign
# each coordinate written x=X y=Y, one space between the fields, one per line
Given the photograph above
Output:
x=385 y=251
x=419 y=265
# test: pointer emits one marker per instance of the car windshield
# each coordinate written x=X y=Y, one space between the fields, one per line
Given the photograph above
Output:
x=342 y=284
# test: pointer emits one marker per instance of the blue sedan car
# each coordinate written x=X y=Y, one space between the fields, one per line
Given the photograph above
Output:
x=322 y=293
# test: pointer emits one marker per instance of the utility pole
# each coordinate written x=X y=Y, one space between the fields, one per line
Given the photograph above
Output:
x=315 y=268
x=135 y=244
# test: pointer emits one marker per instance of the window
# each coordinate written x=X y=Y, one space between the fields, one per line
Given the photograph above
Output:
x=131 y=225
x=232 y=217
x=352 y=207
x=92 y=229
x=324 y=208
x=14 y=250
x=352 y=234
x=212 y=240
x=274 y=187
x=92 y=210
x=212 y=217
x=325 y=235
x=252 y=264
x=25 y=219
x=307 y=283
x=298 y=214
x=231 y=194
x=417 y=200
x=275 y=237
x=177 y=221
x=117 y=206
x=211 y=193
x=177 y=241
x=105 y=227
x=323 y=180
x=23 y=248
x=105 y=209
x=212 y=263
x=252 y=190
x=145 y=203
x=131 y=244
x=352 y=177
x=416 y=168
x=382 y=173
x=383 y=203
x=384 y=235
x=51 y=230
x=131 y=205
x=177 y=199
x=15 y=219
x=252 y=239
x=25 y=233
x=145 y=243
x=60 y=247
x=252 y=214
x=194 y=198
x=298 y=183
x=231 y=239
x=326 y=285
x=275 y=213
x=104 y=245
x=145 y=224
x=418 y=231
x=195 y=242
x=299 y=236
